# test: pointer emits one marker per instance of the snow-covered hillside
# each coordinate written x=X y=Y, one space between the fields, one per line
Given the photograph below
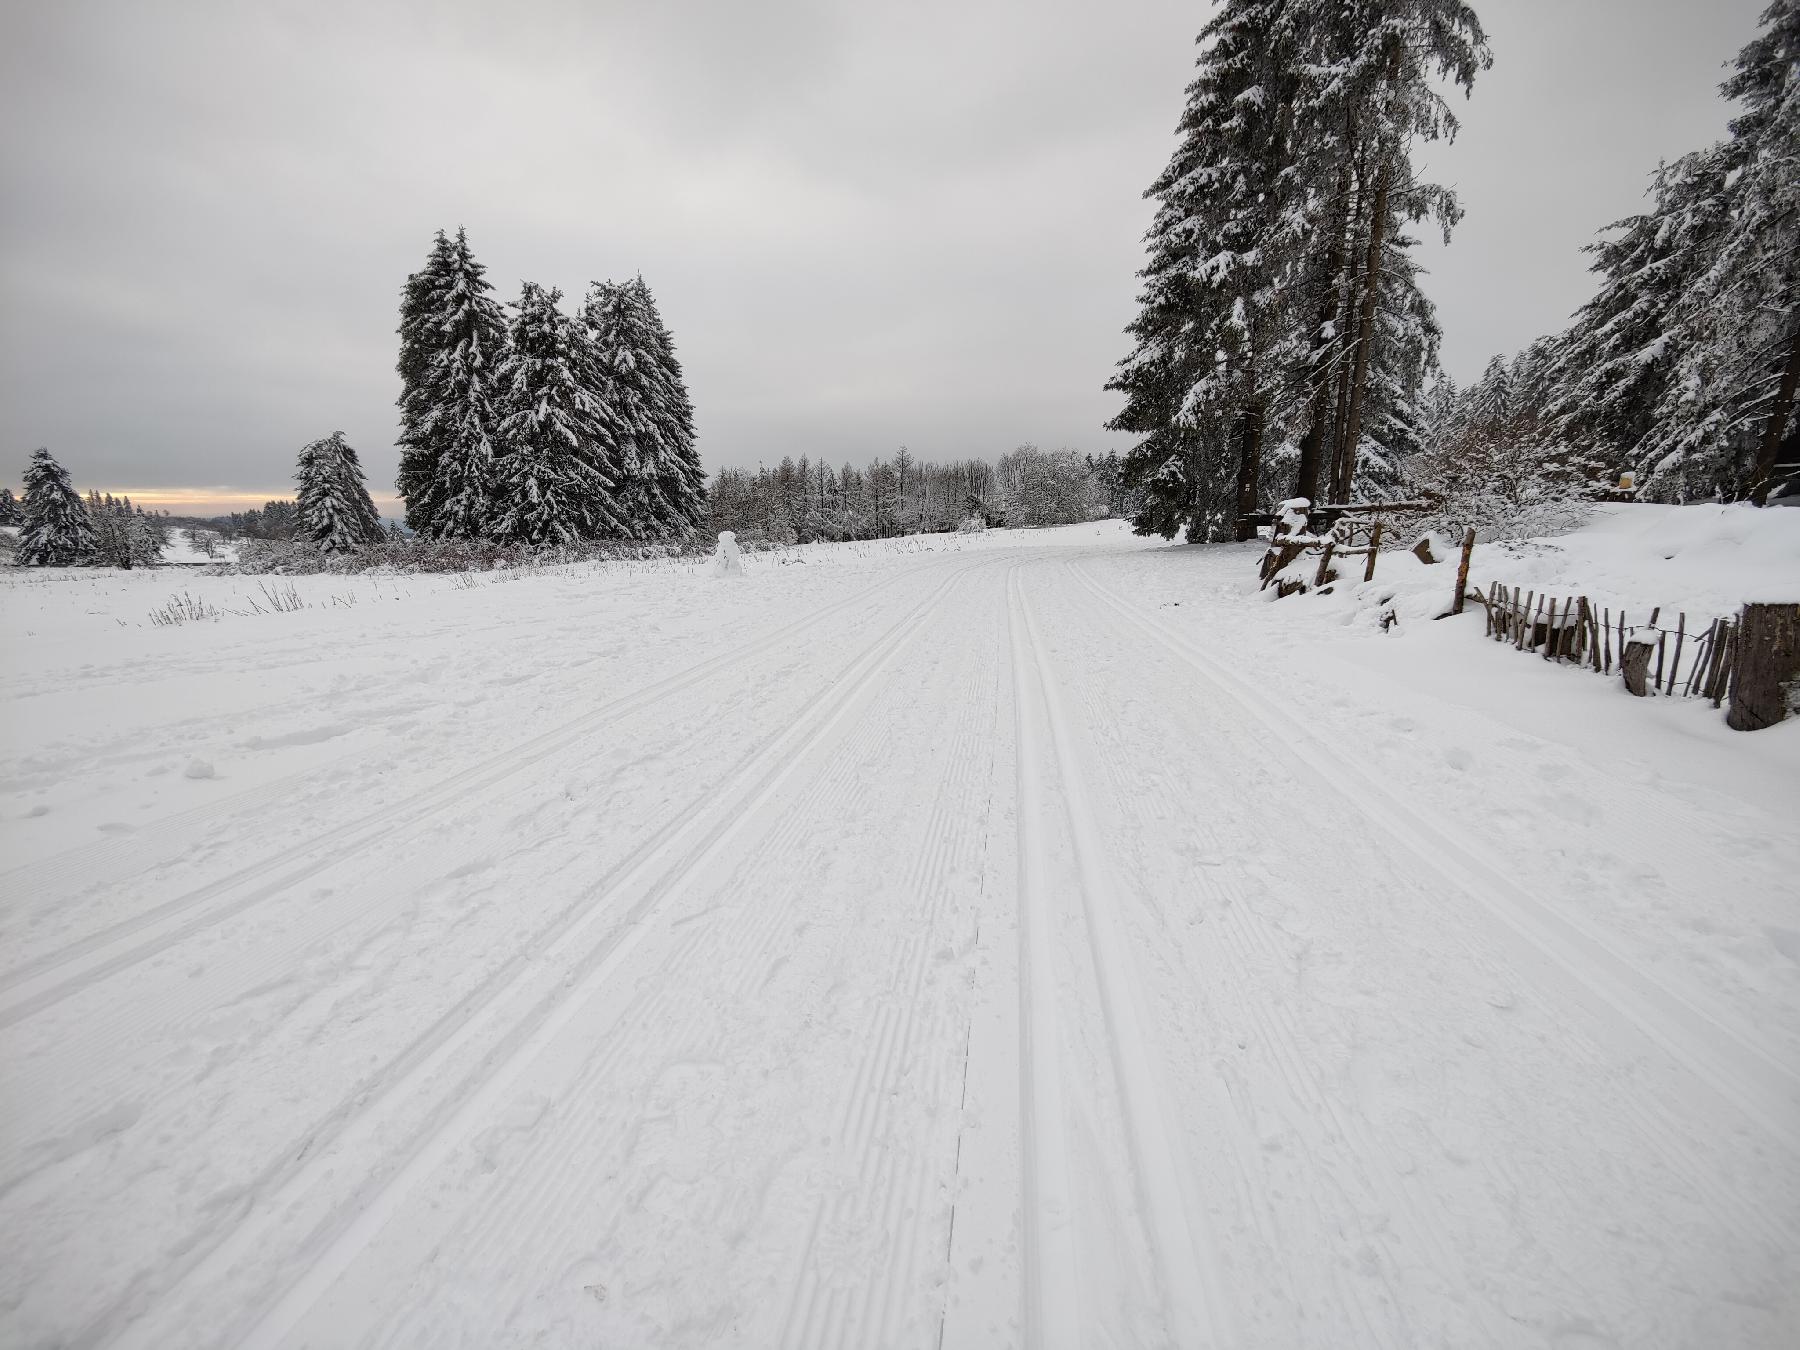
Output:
x=1012 y=939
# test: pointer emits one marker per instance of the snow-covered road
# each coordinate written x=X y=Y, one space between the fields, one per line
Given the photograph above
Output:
x=998 y=945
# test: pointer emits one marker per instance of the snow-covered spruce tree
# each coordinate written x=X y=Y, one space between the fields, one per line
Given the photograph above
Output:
x=449 y=411
x=9 y=508
x=1760 y=254
x=1374 y=68
x=663 y=492
x=1684 y=365
x=123 y=535
x=1206 y=378
x=56 y=531
x=559 y=461
x=1724 y=415
x=1280 y=317
x=421 y=304
x=333 y=502
x=1614 y=363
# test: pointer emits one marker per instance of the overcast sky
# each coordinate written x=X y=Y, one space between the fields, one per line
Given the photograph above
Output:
x=866 y=223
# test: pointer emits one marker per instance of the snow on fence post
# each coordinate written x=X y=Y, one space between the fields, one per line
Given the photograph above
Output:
x=1765 y=676
x=1462 y=569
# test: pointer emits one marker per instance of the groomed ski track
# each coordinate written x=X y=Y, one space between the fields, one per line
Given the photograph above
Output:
x=971 y=958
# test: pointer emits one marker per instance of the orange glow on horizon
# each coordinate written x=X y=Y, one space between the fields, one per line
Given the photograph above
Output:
x=219 y=501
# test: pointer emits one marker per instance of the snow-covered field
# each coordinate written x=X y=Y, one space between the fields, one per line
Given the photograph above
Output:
x=1023 y=939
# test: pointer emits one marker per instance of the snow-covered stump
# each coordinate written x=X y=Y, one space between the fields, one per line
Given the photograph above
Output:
x=728 y=559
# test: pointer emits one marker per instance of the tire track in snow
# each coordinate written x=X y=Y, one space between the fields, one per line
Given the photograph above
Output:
x=553 y=988
x=43 y=981
x=1190 y=1272
x=1605 y=981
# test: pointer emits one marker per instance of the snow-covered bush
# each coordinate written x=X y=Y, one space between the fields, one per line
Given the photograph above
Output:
x=1491 y=460
x=1054 y=487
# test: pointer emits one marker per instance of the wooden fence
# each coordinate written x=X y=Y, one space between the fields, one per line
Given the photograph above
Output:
x=1684 y=661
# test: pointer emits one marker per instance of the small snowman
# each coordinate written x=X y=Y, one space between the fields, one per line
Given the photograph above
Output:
x=728 y=561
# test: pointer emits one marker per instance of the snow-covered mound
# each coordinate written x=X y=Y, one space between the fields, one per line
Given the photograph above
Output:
x=1703 y=561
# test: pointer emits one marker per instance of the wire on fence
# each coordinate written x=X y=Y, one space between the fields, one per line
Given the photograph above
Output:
x=1573 y=629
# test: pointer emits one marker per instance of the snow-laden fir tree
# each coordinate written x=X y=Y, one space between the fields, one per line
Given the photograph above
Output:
x=421 y=306
x=123 y=535
x=1374 y=69
x=1613 y=362
x=559 y=462
x=453 y=345
x=1725 y=412
x=55 y=530
x=1211 y=329
x=1684 y=365
x=9 y=507
x=1281 y=308
x=1617 y=364
x=333 y=503
x=663 y=490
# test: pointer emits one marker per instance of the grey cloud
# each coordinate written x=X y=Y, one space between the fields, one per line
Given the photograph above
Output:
x=868 y=224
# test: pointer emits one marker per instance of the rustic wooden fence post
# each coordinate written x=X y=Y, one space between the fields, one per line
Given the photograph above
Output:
x=1462 y=569
x=1374 y=548
x=1636 y=665
x=1765 y=676
x=1324 y=564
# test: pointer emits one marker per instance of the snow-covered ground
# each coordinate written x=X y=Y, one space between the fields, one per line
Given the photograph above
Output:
x=1021 y=939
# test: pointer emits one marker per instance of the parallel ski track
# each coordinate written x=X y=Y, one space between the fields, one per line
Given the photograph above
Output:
x=575 y=963
x=1050 y=1275
x=1242 y=942
x=45 y=981
x=1254 y=939
x=1190 y=1267
x=1753 y=1081
x=896 y=1177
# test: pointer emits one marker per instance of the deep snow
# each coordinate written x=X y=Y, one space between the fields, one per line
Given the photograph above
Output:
x=1030 y=939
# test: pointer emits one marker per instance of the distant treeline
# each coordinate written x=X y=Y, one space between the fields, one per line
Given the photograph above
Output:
x=804 y=500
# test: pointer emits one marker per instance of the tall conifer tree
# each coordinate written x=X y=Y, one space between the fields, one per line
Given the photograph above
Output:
x=56 y=530
x=663 y=490
x=463 y=340
x=559 y=463
x=421 y=342
x=333 y=503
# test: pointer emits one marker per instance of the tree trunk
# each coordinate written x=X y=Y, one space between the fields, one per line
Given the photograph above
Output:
x=1249 y=481
x=1765 y=680
x=1345 y=477
x=1775 y=430
x=1312 y=445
